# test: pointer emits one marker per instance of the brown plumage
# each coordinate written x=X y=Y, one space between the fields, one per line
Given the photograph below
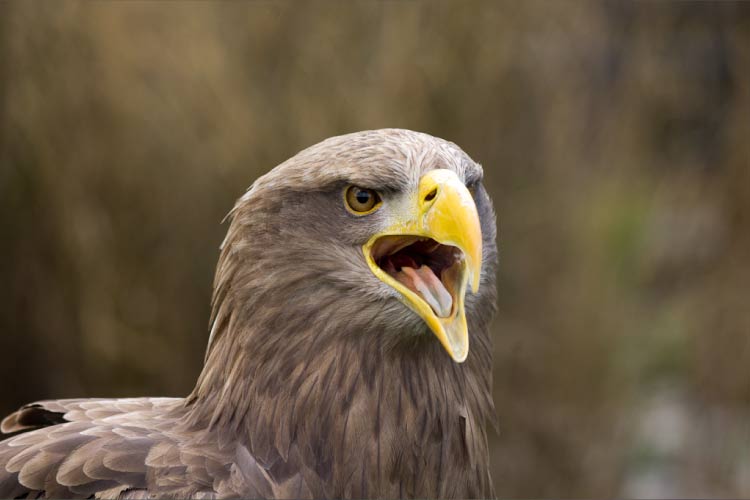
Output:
x=318 y=380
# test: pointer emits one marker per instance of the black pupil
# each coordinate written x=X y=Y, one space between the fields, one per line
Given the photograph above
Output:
x=362 y=197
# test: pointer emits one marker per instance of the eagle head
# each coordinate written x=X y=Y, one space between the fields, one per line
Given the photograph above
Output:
x=380 y=233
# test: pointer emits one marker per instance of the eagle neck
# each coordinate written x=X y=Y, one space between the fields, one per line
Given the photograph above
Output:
x=357 y=417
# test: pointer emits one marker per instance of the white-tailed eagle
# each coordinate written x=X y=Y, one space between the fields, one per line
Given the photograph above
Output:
x=349 y=352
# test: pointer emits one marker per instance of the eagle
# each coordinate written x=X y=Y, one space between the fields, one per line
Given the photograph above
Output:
x=349 y=353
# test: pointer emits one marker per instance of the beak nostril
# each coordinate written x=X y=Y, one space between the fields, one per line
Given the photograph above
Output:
x=431 y=195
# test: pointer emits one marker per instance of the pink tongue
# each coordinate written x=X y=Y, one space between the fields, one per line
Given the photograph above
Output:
x=429 y=287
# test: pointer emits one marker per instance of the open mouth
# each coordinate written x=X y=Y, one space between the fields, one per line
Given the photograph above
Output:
x=427 y=268
x=430 y=253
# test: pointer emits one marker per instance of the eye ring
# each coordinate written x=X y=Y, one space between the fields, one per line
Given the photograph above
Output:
x=361 y=201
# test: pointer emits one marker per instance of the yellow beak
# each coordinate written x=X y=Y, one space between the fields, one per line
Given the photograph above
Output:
x=442 y=210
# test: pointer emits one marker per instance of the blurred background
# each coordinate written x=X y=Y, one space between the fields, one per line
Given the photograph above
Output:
x=615 y=139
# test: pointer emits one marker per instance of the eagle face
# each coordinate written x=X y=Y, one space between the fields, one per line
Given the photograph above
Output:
x=390 y=222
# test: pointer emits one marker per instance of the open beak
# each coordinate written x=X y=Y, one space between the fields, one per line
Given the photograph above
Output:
x=431 y=255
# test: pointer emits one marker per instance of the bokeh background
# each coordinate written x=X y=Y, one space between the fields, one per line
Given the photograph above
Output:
x=615 y=139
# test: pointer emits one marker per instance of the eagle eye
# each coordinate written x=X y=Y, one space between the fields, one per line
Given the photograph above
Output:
x=361 y=201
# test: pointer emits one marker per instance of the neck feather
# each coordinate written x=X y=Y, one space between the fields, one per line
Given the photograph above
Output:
x=360 y=416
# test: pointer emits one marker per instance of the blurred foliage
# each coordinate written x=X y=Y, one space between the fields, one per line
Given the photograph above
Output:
x=614 y=138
